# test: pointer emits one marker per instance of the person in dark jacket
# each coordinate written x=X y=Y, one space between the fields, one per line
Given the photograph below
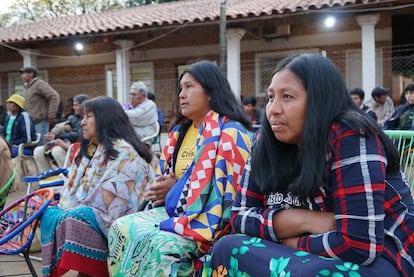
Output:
x=358 y=96
x=53 y=153
x=249 y=105
x=19 y=125
x=402 y=119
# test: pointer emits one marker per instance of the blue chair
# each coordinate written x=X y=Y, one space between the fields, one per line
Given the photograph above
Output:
x=18 y=223
x=54 y=178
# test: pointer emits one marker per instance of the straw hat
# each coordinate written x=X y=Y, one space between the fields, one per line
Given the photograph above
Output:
x=17 y=99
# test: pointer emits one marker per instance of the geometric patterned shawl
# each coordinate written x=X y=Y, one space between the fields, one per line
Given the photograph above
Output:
x=199 y=204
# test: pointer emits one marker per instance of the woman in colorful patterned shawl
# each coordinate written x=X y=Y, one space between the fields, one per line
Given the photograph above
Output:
x=107 y=181
x=199 y=170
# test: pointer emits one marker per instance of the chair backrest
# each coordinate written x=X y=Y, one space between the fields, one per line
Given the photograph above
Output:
x=4 y=190
x=19 y=220
x=71 y=153
x=33 y=143
x=148 y=139
x=404 y=141
x=24 y=164
x=156 y=146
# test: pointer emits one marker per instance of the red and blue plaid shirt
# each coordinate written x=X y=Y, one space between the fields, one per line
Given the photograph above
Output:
x=374 y=212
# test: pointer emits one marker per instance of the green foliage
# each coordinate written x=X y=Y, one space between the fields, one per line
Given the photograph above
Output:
x=23 y=11
x=4 y=19
x=33 y=10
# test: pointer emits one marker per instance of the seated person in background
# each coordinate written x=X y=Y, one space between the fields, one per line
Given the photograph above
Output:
x=358 y=96
x=151 y=96
x=106 y=181
x=5 y=162
x=3 y=115
x=199 y=169
x=53 y=153
x=68 y=109
x=19 y=125
x=141 y=111
x=381 y=104
x=249 y=105
x=323 y=194
x=403 y=117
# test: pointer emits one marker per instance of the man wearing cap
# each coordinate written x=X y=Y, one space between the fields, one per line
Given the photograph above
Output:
x=19 y=126
x=381 y=104
x=42 y=101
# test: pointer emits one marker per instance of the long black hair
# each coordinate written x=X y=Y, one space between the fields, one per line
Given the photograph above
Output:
x=112 y=123
x=279 y=166
x=216 y=85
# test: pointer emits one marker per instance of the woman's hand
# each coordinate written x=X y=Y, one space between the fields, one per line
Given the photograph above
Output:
x=159 y=190
x=291 y=242
x=49 y=137
x=61 y=143
x=321 y=222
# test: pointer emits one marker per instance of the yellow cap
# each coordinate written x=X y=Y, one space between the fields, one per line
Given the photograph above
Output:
x=18 y=99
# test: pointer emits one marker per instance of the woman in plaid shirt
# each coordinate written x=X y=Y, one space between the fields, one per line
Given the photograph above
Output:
x=323 y=194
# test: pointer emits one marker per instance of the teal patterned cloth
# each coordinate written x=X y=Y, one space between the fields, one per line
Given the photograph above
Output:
x=242 y=255
x=138 y=237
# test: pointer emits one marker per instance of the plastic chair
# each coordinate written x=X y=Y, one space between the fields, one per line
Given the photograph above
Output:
x=71 y=153
x=148 y=139
x=33 y=143
x=156 y=144
x=24 y=164
x=4 y=191
x=404 y=141
x=18 y=223
x=54 y=179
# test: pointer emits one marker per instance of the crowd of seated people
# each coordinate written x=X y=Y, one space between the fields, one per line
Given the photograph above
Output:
x=190 y=201
x=106 y=181
x=302 y=196
x=58 y=140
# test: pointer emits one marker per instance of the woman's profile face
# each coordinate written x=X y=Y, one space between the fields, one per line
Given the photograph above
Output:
x=194 y=103
x=89 y=127
x=286 y=108
x=77 y=108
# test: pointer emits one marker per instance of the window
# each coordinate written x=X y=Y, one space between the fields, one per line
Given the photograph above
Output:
x=265 y=64
x=138 y=72
x=354 y=69
x=15 y=82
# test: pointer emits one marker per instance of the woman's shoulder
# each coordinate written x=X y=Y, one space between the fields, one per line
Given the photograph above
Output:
x=233 y=125
x=238 y=133
x=355 y=124
x=126 y=151
x=122 y=145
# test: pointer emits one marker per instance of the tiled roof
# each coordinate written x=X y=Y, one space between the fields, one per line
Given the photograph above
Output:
x=172 y=13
